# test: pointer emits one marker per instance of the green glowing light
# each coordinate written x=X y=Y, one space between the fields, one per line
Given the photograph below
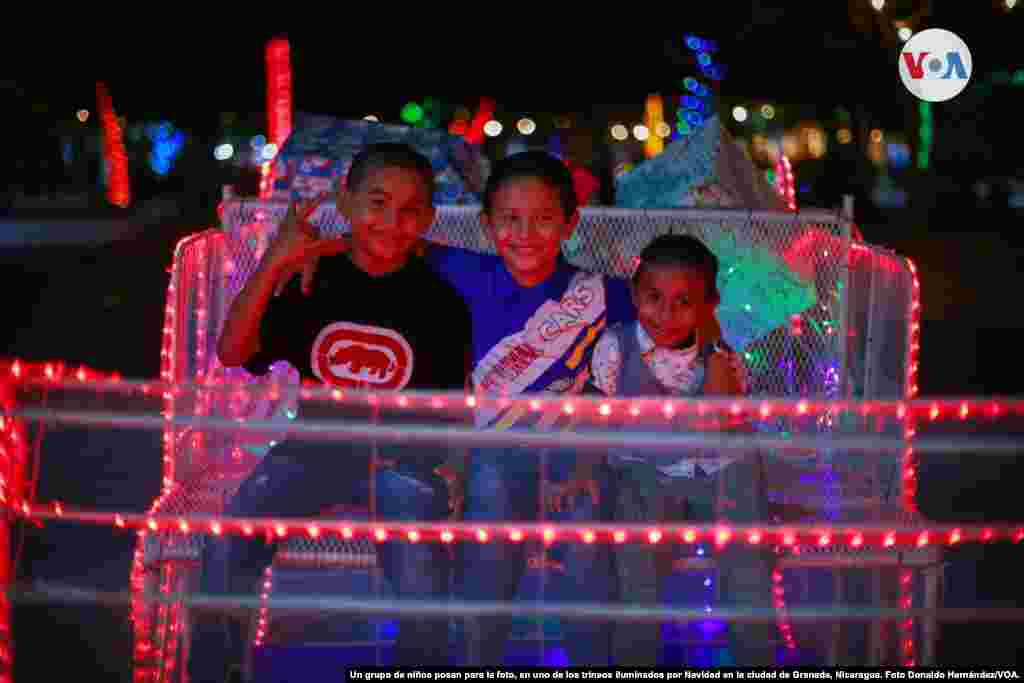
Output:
x=412 y=113
x=925 y=133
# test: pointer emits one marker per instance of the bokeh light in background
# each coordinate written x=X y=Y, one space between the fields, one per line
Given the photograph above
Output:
x=493 y=128
x=526 y=126
x=791 y=145
x=412 y=113
x=739 y=113
x=663 y=130
x=371 y=118
x=640 y=132
x=899 y=154
x=167 y=145
x=82 y=115
x=654 y=117
x=223 y=152
x=768 y=111
x=815 y=140
x=620 y=132
x=904 y=33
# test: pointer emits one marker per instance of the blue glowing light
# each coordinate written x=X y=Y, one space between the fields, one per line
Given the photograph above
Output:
x=160 y=165
x=691 y=84
x=694 y=118
x=555 y=146
x=167 y=145
x=704 y=59
x=899 y=154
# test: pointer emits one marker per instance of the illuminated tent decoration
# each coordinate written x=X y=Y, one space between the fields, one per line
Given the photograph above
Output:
x=709 y=170
x=759 y=293
x=320 y=150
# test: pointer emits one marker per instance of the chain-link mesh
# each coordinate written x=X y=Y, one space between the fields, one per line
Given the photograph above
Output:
x=861 y=295
x=846 y=338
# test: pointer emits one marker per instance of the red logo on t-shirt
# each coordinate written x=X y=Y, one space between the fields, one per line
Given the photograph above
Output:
x=362 y=357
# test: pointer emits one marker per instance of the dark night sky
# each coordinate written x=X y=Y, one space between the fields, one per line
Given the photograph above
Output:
x=792 y=55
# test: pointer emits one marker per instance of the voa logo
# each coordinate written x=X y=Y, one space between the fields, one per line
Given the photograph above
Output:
x=935 y=65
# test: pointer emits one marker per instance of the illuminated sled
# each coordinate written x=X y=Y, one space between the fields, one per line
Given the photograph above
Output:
x=859 y=339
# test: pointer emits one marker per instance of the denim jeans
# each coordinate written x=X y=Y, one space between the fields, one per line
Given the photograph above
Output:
x=505 y=485
x=735 y=494
x=301 y=479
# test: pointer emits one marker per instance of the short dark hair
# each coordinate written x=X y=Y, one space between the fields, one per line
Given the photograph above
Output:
x=532 y=164
x=681 y=251
x=389 y=155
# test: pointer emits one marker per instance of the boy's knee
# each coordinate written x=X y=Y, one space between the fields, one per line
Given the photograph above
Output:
x=405 y=496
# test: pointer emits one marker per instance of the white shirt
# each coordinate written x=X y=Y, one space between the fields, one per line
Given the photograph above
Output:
x=678 y=370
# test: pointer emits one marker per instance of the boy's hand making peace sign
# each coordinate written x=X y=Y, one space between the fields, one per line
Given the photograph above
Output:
x=298 y=242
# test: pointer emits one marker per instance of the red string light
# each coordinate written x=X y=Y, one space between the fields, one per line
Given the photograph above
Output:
x=907 y=625
x=909 y=464
x=583 y=407
x=148 y=663
x=262 y=625
x=784 y=181
x=475 y=134
x=779 y=601
x=789 y=535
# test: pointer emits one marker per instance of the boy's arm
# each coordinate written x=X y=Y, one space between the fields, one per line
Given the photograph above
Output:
x=296 y=241
x=458 y=267
x=725 y=374
x=461 y=268
x=240 y=339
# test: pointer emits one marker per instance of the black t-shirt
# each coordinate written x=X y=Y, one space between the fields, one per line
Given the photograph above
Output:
x=404 y=330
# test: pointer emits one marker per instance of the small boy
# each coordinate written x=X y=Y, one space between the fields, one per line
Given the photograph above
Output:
x=665 y=353
x=376 y=318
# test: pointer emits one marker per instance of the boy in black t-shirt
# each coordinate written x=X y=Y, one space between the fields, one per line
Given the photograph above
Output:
x=377 y=318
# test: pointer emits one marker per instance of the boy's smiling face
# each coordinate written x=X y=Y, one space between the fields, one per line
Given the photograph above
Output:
x=671 y=303
x=389 y=212
x=528 y=224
